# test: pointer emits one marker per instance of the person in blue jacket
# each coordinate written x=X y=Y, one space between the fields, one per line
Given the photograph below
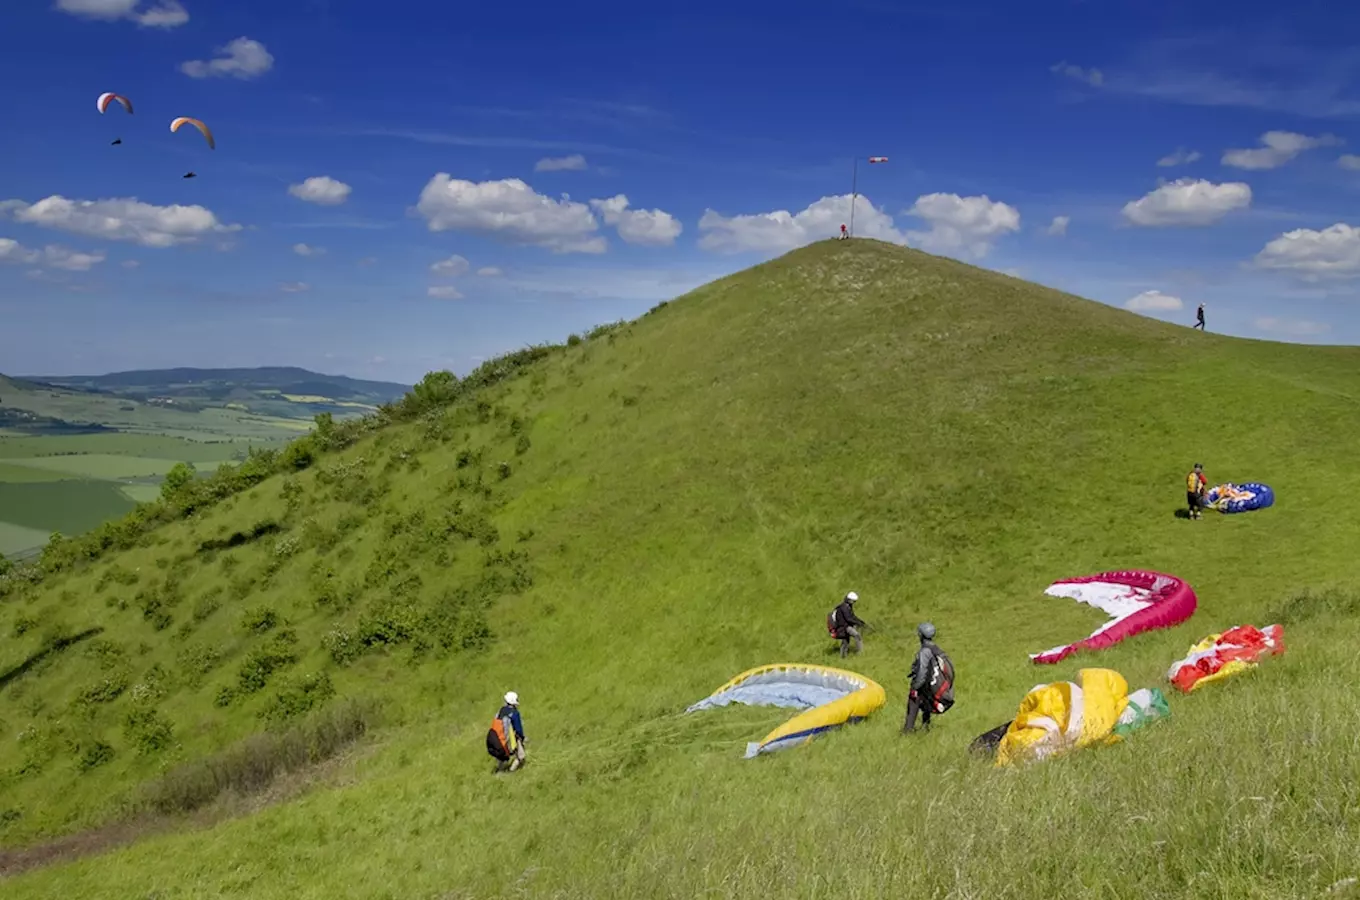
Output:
x=511 y=740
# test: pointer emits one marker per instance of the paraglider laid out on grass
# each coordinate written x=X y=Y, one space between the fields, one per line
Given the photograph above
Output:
x=1136 y=600
x=830 y=697
x=1236 y=498
x=1221 y=656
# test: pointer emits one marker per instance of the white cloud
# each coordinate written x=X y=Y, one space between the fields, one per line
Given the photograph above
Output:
x=454 y=265
x=120 y=219
x=647 y=227
x=1312 y=255
x=1154 y=301
x=966 y=225
x=58 y=257
x=306 y=250
x=1291 y=327
x=444 y=292
x=1349 y=161
x=489 y=272
x=1188 y=201
x=131 y=263
x=321 y=190
x=1058 y=227
x=241 y=58
x=295 y=287
x=1093 y=77
x=511 y=210
x=11 y=251
x=1180 y=157
x=782 y=230
x=1279 y=148
x=164 y=14
x=574 y=163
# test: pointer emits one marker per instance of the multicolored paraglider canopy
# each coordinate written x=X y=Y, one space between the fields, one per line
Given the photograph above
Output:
x=1136 y=600
x=830 y=697
x=207 y=133
x=102 y=104
x=1236 y=498
x=1064 y=716
x=1220 y=656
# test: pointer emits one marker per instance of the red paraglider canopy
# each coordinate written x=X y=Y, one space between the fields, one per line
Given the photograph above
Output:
x=1137 y=601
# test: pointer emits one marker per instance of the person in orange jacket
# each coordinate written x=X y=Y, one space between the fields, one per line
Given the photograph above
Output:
x=1195 y=488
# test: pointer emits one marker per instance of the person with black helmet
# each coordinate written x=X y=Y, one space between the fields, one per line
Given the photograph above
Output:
x=1195 y=486
x=932 y=681
x=845 y=625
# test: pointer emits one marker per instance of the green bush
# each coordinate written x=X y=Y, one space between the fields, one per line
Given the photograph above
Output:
x=263 y=662
x=147 y=730
x=298 y=697
x=258 y=620
x=93 y=755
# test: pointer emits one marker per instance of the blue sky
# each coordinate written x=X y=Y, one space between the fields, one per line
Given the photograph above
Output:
x=575 y=164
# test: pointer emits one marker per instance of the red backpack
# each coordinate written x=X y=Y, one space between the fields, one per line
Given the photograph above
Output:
x=831 y=622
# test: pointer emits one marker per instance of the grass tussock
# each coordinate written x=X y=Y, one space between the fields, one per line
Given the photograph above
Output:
x=252 y=765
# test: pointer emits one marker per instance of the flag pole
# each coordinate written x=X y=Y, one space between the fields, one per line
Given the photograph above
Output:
x=854 y=192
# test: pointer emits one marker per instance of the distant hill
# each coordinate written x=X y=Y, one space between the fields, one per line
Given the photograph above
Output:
x=220 y=383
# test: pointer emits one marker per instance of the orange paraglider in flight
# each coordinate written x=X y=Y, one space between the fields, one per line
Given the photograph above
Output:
x=207 y=133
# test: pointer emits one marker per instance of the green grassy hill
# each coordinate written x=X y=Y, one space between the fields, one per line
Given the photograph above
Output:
x=640 y=515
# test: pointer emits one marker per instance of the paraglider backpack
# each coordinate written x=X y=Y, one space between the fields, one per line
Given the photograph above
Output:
x=497 y=739
x=940 y=684
x=831 y=622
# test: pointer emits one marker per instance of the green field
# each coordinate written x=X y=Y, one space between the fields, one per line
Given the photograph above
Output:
x=654 y=509
x=71 y=507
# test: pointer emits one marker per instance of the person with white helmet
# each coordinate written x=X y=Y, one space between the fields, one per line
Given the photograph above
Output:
x=505 y=740
x=844 y=625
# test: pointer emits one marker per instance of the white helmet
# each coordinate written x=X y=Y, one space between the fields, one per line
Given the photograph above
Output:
x=852 y=596
x=512 y=698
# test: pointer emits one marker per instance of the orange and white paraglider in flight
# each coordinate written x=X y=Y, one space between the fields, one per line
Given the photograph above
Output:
x=207 y=132
x=102 y=104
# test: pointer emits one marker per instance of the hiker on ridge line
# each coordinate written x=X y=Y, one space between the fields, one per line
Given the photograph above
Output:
x=505 y=739
x=932 y=681
x=1199 y=317
x=845 y=625
x=1195 y=487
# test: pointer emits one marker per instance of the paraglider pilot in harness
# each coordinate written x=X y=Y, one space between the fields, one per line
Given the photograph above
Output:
x=505 y=739
x=844 y=625
x=1195 y=487
x=932 y=681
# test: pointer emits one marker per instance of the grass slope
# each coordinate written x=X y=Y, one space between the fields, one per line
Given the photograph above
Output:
x=685 y=499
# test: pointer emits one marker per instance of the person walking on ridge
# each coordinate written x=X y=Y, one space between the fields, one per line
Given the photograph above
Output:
x=505 y=740
x=844 y=625
x=1199 y=317
x=932 y=681
x=1195 y=487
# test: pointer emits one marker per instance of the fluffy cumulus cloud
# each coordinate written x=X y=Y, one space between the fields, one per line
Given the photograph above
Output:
x=321 y=190
x=1314 y=255
x=162 y=14
x=1153 y=301
x=962 y=225
x=1180 y=157
x=444 y=292
x=1188 y=201
x=120 y=219
x=1290 y=327
x=454 y=265
x=489 y=272
x=1058 y=227
x=1093 y=77
x=241 y=58
x=512 y=211
x=648 y=227
x=295 y=287
x=1277 y=148
x=574 y=163
x=307 y=250
x=782 y=230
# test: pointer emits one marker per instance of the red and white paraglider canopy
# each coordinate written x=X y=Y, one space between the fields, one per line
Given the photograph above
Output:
x=1137 y=601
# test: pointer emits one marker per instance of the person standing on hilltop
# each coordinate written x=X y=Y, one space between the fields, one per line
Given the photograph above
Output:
x=505 y=739
x=844 y=234
x=844 y=625
x=932 y=681
x=1195 y=487
x=1199 y=317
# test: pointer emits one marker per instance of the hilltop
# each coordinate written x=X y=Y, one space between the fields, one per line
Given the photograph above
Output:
x=616 y=526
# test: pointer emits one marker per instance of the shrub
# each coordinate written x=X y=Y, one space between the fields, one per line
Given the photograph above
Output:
x=106 y=690
x=24 y=624
x=522 y=445
x=148 y=730
x=197 y=660
x=298 y=697
x=258 y=620
x=93 y=755
x=342 y=645
x=263 y=662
